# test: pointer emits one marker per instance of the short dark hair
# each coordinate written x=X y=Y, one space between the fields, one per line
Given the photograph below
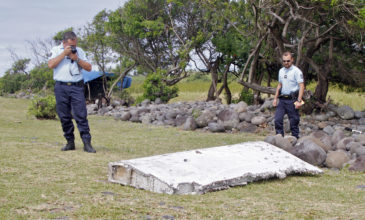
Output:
x=287 y=53
x=69 y=35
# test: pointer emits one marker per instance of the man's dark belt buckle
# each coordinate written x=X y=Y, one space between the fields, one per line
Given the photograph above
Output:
x=69 y=83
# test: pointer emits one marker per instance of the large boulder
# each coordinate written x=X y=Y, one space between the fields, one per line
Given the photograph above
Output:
x=360 y=138
x=229 y=118
x=283 y=143
x=310 y=152
x=360 y=151
x=342 y=144
x=258 y=120
x=190 y=124
x=337 y=136
x=216 y=127
x=247 y=127
x=204 y=119
x=353 y=146
x=125 y=116
x=246 y=116
x=345 y=112
x=240 y=107
x=359 y=164
x=336 y=159
x=324 y=138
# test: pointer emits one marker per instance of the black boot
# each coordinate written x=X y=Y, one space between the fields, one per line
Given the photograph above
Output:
x=69 y=146
x=88 y=147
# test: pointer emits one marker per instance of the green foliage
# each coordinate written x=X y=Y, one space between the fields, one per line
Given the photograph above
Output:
x=11 y=83
x=154 y=88
x=43 y=108
x=41 y=77
x=246 y=96
x=59 y=35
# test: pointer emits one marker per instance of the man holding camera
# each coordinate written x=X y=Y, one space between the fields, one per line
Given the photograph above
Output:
x=290 y=92
x=67 y=61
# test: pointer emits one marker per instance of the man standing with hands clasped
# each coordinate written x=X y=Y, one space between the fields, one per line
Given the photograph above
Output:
x=289 y=92
x=67 y=61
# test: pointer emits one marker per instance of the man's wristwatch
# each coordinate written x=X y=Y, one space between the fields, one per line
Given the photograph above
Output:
x=78 y=60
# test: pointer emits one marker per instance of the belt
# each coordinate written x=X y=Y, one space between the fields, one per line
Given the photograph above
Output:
x=285 y=97
x=79 y=83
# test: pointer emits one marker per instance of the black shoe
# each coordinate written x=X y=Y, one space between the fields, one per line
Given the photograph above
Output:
x=88 y=147
x=69 y=146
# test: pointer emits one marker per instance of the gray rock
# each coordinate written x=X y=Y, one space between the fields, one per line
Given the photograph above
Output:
x=359 y=114
x=115 y=103
x=329 y=130
x=270 y=140
x=171 y=114
x=125 y=116
x=170 y=122
x=92 y=109
x=229 y=118
x=135 y=118
x=216 y=127
x=240 y=107
x=342 y=144
x=331 y=114
x=282 y=143
x=360 y=151
x=345 y=112
x=246 y=116
x=336 y=159
x=158 y=101
x=321 y=125
x=337 y=136
x=324 y=139
x=258 y=120
x=359 y=164
x=190 y=124
x=267 y=105
x=146 y=119
x=310 y=152
x=180 y=119
x=353 y=146
x=293 y=140
x=321 y=117
x=362 y=121
x=360 y=138
x=145 y=102
x=116 y=116
x=246 y=127
x=205 y=117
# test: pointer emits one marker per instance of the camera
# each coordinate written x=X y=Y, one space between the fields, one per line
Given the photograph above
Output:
x=73 y=49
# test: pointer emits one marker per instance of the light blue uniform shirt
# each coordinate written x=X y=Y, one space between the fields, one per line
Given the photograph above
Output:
x=65 y=70
x=290 y=79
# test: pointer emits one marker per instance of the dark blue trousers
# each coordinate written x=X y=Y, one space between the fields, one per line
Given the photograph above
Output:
x=70 y=103
x=286 y=106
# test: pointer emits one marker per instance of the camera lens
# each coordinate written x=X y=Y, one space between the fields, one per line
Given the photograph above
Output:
x=73 y=49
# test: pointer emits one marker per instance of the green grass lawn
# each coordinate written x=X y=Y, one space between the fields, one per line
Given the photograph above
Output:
x=38 y=181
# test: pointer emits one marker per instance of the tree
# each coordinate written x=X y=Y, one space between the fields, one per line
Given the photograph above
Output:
x=142 y=31
x=313 y=30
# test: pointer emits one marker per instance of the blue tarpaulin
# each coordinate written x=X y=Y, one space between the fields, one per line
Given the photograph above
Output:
x=89 y=76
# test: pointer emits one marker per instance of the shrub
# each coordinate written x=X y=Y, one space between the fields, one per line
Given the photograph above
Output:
x=43 y=108
x=154 y=88
x=246 y=96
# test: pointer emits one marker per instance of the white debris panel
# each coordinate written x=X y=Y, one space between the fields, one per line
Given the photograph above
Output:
x=209 y=169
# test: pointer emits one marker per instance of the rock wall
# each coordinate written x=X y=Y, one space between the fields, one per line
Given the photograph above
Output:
x=333 y=138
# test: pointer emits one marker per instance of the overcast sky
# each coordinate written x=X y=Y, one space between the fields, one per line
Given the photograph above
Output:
x=22 y=20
